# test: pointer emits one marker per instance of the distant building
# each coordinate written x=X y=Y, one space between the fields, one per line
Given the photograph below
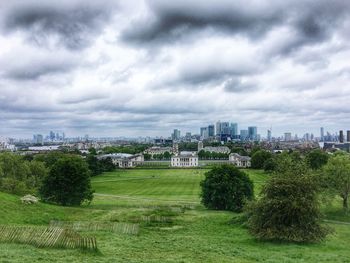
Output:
x=218 y=128
x=217 y=149
x=348 y=136
x=204 y=132
x=211 y=130
x=244 y=135
x=269 y=135
x=176 y=135
x=253 y=133
x=234 y=130
x=185 y=159
x=124 y=160
x=341 y=136
x=200 y=146
x=322 y=134
x=288 y=136
x=38 y=139
x=240 y=161
x=158 y=150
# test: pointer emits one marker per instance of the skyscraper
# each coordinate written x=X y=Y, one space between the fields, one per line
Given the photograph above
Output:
x=253 y=133
x=204 y=132
x=244 y=135
x=218 y=128
x=234 y=130
x=225 y=128
x=348 y=136
x=269 y=136
x=176 y=135
x=211 y=130
x=341 y=136
x=288 y=136
x=322 y=134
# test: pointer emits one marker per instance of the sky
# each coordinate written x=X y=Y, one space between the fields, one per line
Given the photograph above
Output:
x=143 y=68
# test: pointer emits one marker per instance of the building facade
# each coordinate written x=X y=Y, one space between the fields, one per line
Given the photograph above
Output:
x=185 y=159
x=240 y=161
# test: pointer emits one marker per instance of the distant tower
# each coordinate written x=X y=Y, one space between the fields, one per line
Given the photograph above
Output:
x=322 y=134
x=341 y=136
x=348 y=136
x=175 y=148
x=269 y=135
x=200 y=146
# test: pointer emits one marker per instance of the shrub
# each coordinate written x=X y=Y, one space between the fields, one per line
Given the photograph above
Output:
x=288 y=209
x=226 y=188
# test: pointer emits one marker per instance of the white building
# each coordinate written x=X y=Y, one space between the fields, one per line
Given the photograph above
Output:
x=158 y=150
x=218 y=149
x=185 y=159
x=240 y=161
x=124 y=160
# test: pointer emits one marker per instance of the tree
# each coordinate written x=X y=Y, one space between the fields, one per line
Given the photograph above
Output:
x=68 y=182
x=259 y=158
x=288 y=209
x=336 y=177
x=270 y=165
x=316 y=159
x=226 y=187
x=167 y=156
x=94 y=165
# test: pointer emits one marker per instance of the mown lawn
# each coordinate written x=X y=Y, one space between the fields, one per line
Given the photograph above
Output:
x=194 y=235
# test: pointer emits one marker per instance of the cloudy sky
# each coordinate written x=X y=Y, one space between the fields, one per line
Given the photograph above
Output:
x=146 y=67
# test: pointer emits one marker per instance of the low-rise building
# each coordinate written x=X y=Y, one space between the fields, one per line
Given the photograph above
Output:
x=158 y=150
x=185 y=159
x=218 y=149
x=240 y=161
x=124 y=160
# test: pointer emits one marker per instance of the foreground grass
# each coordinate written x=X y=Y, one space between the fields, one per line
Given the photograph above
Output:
x=197 y=235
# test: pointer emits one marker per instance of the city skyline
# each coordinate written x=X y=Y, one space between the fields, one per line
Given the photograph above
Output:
x=143 y=68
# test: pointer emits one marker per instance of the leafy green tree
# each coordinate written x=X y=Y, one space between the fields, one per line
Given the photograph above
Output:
x=107 y=164
x=317 y=158
x=167 y=155
x=259 y=158
x=147 y=156
x=270 y=165
x=288 y=208
x=94 y=165
x=336 y=177
x=38 y=172
x=68 y=182
x=226 y=187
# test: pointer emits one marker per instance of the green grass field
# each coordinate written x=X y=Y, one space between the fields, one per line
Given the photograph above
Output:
x=193 y=235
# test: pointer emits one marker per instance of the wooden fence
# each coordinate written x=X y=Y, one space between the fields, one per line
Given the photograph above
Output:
x=46 y=237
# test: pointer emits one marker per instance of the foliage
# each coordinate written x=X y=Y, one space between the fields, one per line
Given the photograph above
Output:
x=226 y=188
x=336 y=177
x=316 y=159
x=288 y=209
x=18 y=176
x=270 y=165
x=68 y=182
x=259 y=158
x=130 y=149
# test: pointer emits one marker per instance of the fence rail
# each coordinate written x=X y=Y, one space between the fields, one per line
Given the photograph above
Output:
x=56 y=237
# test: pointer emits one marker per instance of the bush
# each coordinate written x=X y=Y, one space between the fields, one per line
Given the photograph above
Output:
x=68 y=182
x=316 y=159
x=226 y=188
x=288 y=209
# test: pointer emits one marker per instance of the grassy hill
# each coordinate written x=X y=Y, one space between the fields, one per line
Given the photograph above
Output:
x=12 y=211
x=195 y=235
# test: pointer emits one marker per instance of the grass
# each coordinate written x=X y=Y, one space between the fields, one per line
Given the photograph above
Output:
x=174 y=227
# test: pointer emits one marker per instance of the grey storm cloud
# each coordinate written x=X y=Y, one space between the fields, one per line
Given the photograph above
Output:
x=172 y=20
x=74 y=23
x=144 y=67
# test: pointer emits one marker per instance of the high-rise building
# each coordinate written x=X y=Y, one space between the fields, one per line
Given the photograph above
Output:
x=52 y=135
x=225 y=128
x=322 y=134
x=269 y=135
x=176 y=135
x=253 y=133
x=288 y=136
x=211 y=130
x=234 y=130
x=244 y=135
x=218 y=128
x=341 y=136
x=204 y=132
x=38 y=139
x=348 y=136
